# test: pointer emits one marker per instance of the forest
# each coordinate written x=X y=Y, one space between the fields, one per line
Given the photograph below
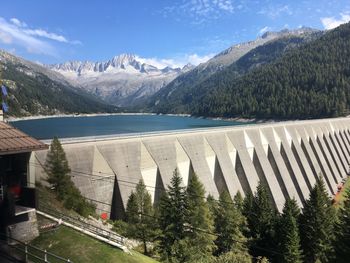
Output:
x=187 y=226
x=309 y=81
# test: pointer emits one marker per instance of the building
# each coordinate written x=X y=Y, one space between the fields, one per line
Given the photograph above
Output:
x=17 y=184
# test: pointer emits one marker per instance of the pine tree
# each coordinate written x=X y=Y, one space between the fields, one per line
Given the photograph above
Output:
x=172 y=217
x=228 y=225
x=212 y=203
x=247 y=213
x=342 y=243
x=199 y=240
x=239 y=201
x=261 y=223
x=58 y=169
x=132 y=209
x=234 y=257
x=291 y=206
x=288 y=233
x=140 y=216
x=317 y=225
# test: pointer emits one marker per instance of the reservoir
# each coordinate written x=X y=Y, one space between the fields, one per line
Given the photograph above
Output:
x=103 y=125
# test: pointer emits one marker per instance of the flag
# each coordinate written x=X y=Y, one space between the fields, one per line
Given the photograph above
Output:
x=4 y=90
x=5 y=108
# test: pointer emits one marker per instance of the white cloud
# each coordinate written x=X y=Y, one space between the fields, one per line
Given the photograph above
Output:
x=332 y=22
x=196 y=59
x=45 y=34
x=203 y=10
x=276 y=11
x=18 y=23
x=264 y=30
x=16 y=32
x=176 y=62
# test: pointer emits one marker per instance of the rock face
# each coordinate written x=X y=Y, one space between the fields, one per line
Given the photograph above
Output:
x=123 y=80
x=37 y=90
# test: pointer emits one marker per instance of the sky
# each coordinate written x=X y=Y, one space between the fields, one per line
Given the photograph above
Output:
x=160 y=32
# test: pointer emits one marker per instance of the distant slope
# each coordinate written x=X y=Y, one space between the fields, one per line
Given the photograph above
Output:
x=122 y=80
x=183 y=98
x=311 y=81
x=35 y=90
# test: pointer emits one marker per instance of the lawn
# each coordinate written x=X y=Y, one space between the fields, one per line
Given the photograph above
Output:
x=78 y=247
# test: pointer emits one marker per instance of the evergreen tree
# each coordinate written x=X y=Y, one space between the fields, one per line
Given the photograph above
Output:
x=58 y=169
x=342 y=243
x=228 y=225
x=317 y=225
x=132 y=210
x=212 y=203
x=289 y=240
x=140 y=216
x=239 y=201
x=248 y=212
x=261 y=223
x=234 y=257
x=199 y=240
x=291 y=206
x=172 y=217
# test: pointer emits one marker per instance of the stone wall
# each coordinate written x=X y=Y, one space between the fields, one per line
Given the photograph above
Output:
x=24 y=231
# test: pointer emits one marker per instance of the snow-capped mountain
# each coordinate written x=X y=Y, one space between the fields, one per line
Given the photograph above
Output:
x=122 y=80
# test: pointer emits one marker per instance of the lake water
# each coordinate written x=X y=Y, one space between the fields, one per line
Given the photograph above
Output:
x=81 y=126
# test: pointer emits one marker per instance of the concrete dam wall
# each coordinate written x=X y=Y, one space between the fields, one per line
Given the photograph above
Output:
x=287 y=156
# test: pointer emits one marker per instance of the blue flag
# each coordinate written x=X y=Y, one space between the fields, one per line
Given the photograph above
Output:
x=4 y=90
x=5 y=108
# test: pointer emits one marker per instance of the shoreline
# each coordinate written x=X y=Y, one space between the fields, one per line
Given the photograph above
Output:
x=38 y=117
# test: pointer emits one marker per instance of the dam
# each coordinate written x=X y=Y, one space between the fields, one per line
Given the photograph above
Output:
x=287 y=156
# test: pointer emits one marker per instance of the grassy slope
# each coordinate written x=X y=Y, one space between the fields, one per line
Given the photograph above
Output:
x=46 y=198
x=78 y=247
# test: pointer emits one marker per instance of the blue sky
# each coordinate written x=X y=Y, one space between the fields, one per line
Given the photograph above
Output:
x=162 y=32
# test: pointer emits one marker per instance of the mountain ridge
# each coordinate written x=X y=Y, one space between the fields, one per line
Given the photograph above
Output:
x=310 y=81
x=122 y=80
x=183 y=87
x=36 y=90
x=121 y=62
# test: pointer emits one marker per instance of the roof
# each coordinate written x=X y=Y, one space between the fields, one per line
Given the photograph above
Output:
x=13 y=141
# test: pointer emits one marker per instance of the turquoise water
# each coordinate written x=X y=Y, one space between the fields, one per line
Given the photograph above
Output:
x=68 y=127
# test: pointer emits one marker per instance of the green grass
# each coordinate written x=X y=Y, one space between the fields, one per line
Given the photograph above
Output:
x=78 y=247
x=69 y=243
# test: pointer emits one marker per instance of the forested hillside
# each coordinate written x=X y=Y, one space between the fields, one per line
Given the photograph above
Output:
x=32 y=92
x=310 y=81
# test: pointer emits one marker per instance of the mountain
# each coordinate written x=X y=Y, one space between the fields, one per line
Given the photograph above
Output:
x=36 y=90
x=177 y=90
x=123 y=80
x=183 y=93
x=310 y=81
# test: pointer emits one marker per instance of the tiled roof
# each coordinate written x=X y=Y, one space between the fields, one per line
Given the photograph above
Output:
x=14 y=141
